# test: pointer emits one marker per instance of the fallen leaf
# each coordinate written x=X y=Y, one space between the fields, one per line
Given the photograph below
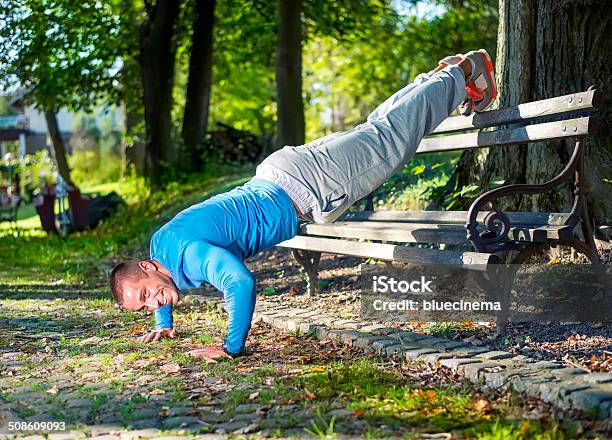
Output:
x=157 y=392
x=359 y=413
x=482 y=405
x=172 y=367
x=524 y=429
x=136 y=329
x=318 y=370
x=309 y=394
x=53 y=390
x=254 y=395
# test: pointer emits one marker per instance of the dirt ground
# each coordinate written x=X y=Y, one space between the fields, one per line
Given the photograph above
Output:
x=587 y=345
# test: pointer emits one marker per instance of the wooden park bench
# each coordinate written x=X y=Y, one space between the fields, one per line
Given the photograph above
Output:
x=483 y=238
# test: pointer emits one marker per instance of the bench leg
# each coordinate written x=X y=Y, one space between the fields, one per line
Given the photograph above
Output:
x=309 y=260
x=506 y=278
x=499 y=283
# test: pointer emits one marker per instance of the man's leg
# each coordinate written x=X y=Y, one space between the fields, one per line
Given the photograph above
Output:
x=353 y=165
x=378 y=111
x=326 y=177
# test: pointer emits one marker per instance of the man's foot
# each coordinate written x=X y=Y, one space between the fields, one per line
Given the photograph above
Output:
x=480 y=84
x=451 y=59
x=446 y=61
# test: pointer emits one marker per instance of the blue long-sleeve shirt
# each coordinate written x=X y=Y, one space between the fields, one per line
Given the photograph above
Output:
x=209 y=241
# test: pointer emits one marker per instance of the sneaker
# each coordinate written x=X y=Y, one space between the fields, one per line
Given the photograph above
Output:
x=480 y=86
x=451 y=59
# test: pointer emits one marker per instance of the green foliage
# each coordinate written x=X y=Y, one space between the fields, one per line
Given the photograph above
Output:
x=269 y=291
x=243 y=73
x=322 y=428
x=76 y=258
x=5 y=110
x=63 y=53
x=468 y=193
x=80 y=54
x=36 y=169
x=346 y=76
x=444 y=329
x=90 y=167
x=412 y=187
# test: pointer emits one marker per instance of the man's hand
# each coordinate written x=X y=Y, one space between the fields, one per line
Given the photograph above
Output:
x=156 y=335
x=208 y=353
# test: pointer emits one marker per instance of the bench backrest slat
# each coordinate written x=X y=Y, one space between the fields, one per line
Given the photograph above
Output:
x=457 y=217
x=530 y=133
x=522 y=112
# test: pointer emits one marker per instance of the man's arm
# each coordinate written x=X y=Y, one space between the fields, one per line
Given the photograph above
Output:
x=164 y=325
x=219 y=267
x=163 y=317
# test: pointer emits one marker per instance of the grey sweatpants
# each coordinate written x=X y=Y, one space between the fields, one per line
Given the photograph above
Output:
x=326 y=176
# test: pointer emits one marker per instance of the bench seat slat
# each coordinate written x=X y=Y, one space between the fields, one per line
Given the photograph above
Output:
x=530 y=133
x=391 y=252
x=522 y=112
x=386 y=231
x=457 y=217
x=426 y=232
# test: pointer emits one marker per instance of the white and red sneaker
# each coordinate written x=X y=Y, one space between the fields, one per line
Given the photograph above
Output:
x=480 y=85
x=451 y=59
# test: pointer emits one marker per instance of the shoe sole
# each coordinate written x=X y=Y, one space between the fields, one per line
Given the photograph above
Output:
x=491 y=78
x=490 y=70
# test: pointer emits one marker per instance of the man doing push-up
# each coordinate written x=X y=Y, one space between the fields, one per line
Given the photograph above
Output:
x=209 y=241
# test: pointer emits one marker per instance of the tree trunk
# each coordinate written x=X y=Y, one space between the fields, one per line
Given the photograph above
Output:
x=135 y=151
x=157 y=56
x=197 y=100
x=514 y=77
x=290 y=129
x=57 y=146
x=548 y=48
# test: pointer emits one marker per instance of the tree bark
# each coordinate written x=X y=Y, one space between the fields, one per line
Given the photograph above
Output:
x=548 y=48
x=290 y=111
x=157 y=57
x=57 y=146
x=135 y=151
x=514 y=77
x=199 y=84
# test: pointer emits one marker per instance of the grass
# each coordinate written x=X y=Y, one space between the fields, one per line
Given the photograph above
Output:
x=82 y=331
x=32 y=257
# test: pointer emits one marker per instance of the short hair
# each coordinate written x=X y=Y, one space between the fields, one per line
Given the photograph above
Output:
x=129 y=270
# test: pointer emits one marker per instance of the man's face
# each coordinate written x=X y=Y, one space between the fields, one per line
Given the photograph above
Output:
x=151 y=292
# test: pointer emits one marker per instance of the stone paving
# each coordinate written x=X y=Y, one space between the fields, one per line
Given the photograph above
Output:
x=115 y=394
x=104 y=409
x=567 y=388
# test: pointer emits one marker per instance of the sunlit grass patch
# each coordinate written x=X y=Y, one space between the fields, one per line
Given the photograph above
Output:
x=443 y=329
x=530 y=430
x=377 y=393
x=35 y=258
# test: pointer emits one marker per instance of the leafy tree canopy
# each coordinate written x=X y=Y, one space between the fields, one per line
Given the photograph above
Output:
x=62 y=53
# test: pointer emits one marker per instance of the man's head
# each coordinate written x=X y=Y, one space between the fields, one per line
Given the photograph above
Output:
x=142 y=285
